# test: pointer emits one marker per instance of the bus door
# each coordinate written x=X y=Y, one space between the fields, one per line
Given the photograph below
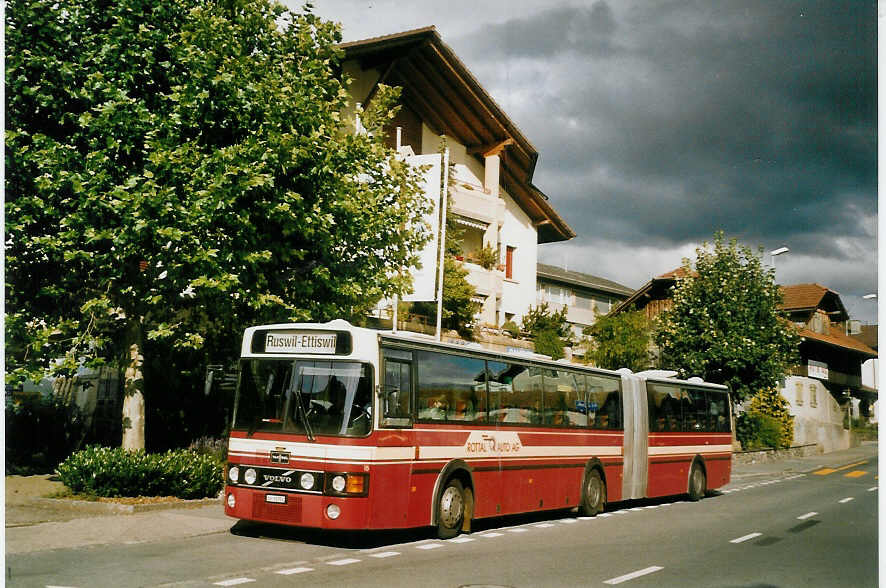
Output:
x=636 y=440
x=391 y=482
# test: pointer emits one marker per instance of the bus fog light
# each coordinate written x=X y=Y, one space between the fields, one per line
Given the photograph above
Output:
x=234 y=474
x=333 y=511
x=250 y=476
x=232 y=502
x=307 y=481
x=338 y=483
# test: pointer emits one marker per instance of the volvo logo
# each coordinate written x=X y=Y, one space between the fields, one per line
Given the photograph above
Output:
x=273 y=478
x=280 y=456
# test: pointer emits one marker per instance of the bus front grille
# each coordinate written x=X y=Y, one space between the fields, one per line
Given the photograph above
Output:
x=285 y=513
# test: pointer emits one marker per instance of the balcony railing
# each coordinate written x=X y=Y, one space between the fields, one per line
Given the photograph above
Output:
x=477 y=205
x=834 y=377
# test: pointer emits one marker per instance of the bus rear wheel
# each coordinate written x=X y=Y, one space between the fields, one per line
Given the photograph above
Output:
x=697 y=483
x=450 y=510
x=593 y=494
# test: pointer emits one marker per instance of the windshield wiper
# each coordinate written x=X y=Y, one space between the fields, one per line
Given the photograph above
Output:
x=299 y=406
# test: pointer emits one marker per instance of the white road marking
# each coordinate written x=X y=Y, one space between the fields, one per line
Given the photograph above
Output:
x=234 y=582
x=427 y=546
x=845 y=500
x=517 y=530
x=491 y=535
x=291 y=571
x=569 y=521
x=746 y=538
x=343 y=562
x=543 y=526
x=808 y=515
x=461 y=540
x=605 y=514
x=384 y=554
x=633 y=575
x=872 y=489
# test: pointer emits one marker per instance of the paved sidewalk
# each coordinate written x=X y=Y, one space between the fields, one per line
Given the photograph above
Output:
x=35 y=523
x=867 y=451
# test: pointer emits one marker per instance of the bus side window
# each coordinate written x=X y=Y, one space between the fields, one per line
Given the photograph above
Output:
x=397 y=389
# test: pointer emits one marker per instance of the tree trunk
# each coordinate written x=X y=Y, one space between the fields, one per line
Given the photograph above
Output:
x=133 y=392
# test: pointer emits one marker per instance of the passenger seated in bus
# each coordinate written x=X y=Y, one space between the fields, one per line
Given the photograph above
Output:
x=464 y=410
x=438 y=409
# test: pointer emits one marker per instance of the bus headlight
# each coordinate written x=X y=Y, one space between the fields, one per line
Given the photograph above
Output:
x=234 y=474
x=333 y=511
x=307 y=481
x=232 y=502
x=346 y=484
x=250 y=476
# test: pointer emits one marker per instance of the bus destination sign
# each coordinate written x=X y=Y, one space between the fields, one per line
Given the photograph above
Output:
x=299 y=342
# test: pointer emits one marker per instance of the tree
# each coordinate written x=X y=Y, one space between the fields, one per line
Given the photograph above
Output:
x=178 y=170
x=548 y=329
x=724 y=324
x=620 y=341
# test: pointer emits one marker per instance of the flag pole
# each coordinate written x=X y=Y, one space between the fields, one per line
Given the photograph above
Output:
x=443 y=202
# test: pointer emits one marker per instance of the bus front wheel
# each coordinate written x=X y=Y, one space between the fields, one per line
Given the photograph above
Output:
x=450 y=510
x=593 y=495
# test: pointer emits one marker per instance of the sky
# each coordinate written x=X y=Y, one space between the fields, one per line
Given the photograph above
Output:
x=659 y=123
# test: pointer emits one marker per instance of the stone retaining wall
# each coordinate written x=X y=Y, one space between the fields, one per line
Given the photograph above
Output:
x=769 y=455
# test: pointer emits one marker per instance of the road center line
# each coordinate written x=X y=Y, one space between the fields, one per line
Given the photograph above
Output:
x=343 y=562
x=845 y=500
x=746 y=538
x=633 y=575
x=808 y=515
x=384 y=554
x=291 y=571
x=234 y=582
x=873 y=489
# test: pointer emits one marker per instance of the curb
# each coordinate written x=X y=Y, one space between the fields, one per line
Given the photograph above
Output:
x=113 y=508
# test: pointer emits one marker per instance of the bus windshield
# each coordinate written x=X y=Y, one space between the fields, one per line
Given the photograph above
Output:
x=307 y=397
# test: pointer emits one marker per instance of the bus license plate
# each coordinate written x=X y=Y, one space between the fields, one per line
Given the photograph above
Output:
x=275 y=498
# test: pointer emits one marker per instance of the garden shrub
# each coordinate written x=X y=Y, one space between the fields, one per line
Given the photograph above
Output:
x=103 y=471
x=770 y=402
x=756 y=430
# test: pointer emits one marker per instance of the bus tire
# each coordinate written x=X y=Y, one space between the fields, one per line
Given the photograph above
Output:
x=450 y=509
x=698 y=483
x=593 y=494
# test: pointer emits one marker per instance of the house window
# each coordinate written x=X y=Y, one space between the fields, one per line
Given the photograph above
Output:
x=584 y=302
x=509 y=263
x=799 y=393
x=813 y=395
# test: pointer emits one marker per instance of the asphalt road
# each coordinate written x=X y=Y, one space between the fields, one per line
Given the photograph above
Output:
x=814 y=529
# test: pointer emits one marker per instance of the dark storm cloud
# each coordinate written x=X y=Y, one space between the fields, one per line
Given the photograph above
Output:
x=668 y=121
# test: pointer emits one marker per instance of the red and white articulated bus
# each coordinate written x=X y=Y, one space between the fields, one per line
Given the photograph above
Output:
x=340 y=427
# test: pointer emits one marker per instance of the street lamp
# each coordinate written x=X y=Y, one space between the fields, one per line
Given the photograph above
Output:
x=776 y=252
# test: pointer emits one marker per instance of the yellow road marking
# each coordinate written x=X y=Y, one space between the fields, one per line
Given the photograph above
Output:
x=852 y=465
x=856 y=474
x=826 y=471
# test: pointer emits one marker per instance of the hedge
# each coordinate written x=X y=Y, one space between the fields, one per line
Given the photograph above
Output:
x=102 y=471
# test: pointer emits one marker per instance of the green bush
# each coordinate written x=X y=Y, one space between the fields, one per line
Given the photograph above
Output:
x=758 y=431
x=512 y=329
x=103 y=471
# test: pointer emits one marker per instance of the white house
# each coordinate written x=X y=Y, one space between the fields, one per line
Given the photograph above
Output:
x=493 y=163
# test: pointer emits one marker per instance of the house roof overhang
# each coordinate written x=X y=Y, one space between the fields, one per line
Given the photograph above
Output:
x=439 y=88
x=840 y=341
